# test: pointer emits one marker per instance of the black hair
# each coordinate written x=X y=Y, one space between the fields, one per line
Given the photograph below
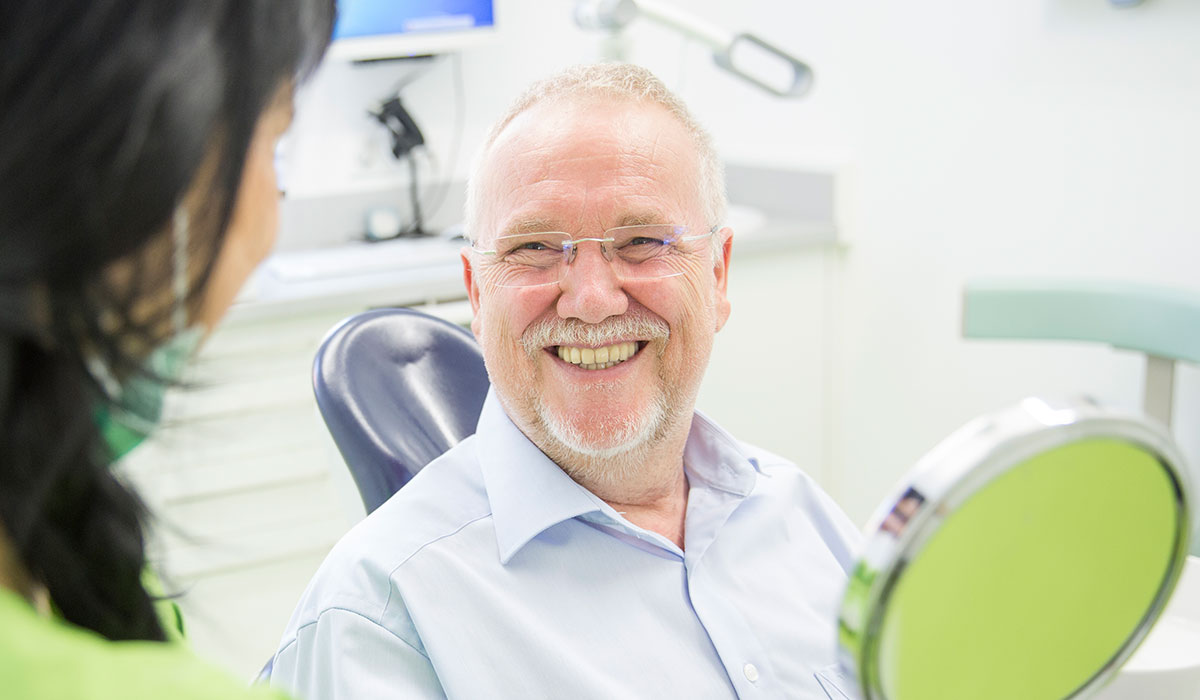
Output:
x=111 y=111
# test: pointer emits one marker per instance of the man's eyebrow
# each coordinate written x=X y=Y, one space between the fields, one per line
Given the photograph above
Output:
x=530 y=225
x=642 y=219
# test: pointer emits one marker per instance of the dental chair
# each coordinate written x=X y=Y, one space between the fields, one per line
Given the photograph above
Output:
x=397 y=388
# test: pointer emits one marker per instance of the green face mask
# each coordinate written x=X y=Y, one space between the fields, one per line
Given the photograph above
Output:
x=137 y=410
x=134 y=408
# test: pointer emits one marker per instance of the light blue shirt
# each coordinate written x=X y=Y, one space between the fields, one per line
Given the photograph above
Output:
x=492 y=574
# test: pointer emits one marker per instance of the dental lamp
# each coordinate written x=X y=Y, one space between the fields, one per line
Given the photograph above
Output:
x=745 y=55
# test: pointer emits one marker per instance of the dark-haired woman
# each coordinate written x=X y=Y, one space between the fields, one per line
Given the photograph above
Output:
x=137 y=193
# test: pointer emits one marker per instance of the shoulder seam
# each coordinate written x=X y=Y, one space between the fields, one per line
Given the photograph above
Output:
x=321 y=614
x=415 y=552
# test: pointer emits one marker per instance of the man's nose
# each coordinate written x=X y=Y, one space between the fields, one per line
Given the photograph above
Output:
x=591 y=290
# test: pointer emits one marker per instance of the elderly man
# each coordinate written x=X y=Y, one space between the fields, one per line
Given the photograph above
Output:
x=596 y=538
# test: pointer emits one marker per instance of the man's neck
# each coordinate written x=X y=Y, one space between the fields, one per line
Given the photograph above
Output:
x=646 y=484
x=665 y=514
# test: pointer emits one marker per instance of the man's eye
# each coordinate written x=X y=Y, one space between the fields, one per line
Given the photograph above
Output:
x=532 y=250
x=644 y=241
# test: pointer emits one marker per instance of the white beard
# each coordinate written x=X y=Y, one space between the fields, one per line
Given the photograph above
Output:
x=615 y=439
x=612 y=437
x=616 y=459
x=612 y=453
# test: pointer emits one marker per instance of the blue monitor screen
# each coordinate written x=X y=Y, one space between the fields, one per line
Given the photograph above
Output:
x=365 y=18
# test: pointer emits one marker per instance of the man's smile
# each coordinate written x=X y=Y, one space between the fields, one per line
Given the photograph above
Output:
x=597 y=358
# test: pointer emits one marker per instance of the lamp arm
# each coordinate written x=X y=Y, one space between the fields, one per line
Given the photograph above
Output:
x=614 y=15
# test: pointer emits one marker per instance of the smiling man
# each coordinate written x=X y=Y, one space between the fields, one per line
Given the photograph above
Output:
x=597 y=537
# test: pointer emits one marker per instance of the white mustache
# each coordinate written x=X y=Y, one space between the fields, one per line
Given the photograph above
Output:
x=611 y=330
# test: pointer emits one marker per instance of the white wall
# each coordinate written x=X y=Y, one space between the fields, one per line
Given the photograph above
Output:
x=1022 y=137
x=1032 y=137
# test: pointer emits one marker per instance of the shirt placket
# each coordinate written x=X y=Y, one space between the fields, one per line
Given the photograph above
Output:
x=741 y=652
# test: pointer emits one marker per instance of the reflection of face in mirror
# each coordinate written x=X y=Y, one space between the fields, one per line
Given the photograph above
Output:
x=904 y=509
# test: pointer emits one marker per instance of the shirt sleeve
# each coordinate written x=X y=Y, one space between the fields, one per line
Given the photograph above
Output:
x=344 y=656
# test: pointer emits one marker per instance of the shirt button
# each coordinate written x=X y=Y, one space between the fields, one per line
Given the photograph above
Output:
x=751 y=672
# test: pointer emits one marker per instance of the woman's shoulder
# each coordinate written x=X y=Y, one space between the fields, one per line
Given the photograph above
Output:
x=48 y=658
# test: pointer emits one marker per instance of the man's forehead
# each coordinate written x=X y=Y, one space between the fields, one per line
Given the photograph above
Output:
x=619 y=159
x=615 y=127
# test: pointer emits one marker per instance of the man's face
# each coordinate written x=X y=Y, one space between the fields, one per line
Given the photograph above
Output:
x=583 y=168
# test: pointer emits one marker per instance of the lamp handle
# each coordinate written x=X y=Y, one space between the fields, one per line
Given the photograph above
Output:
x=801 y=78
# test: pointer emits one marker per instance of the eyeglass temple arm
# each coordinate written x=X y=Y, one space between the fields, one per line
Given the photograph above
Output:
x=711 y=232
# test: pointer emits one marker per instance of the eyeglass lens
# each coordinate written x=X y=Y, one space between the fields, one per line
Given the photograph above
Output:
x=636 y=252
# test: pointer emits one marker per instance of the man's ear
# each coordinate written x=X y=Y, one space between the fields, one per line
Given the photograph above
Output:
x=472 y=285
x=724 y=238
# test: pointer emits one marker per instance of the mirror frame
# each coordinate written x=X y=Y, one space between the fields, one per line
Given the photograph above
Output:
x=954 y=471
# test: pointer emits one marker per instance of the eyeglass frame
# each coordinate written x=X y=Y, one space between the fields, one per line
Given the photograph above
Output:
x=571 y=246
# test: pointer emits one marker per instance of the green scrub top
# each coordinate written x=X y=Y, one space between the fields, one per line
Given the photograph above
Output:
x=44 y=657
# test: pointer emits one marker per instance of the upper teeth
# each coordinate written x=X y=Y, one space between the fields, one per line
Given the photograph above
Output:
x=597 y=358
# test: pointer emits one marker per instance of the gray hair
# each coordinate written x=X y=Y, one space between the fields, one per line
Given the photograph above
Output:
x=621 y=81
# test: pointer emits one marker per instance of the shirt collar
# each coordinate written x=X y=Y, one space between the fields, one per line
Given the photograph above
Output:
x=529 y=493
x=717 y=460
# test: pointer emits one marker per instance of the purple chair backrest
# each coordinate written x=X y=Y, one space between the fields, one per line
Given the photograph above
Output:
x=397 y=388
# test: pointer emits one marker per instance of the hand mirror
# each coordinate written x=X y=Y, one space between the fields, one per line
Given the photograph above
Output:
x=1025 y=557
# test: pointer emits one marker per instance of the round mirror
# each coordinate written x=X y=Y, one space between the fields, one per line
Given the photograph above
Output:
x=1025 y=557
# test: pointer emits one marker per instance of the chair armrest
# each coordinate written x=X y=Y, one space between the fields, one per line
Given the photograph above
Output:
x=1154 y=320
